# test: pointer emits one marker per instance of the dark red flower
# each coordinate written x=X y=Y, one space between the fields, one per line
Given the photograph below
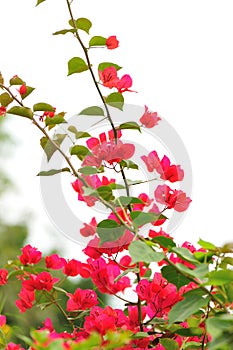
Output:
x=54 y=262
x=3 y=276
x=45 y=281
x=30 y=255
x=2 y=111
x=81 y=300
x=112 y=42
x=23 y=89
x=72 y=267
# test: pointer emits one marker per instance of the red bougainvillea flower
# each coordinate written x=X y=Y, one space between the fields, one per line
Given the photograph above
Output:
x=109 y=77
x=23 y=89
x=49 y=114
x=124 y=83
x=167 y=171
x=112 y=42
x=45 y=281
x=30 y=255
x=2 y=111
x=3 y=276
x=149 y=119
x=92 y=181
x=2 y=320
x=103 y=320
x=104 y=274
x=89 y=229
x=72 y=267
x=81 y=300
x=54 y=262
x=109 y=150
x=172 y=198
x=94 y=249
x=13 y=346
x=26 y=299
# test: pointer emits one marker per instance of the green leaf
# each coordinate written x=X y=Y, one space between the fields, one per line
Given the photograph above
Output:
x=21 y=111
x=130 y=125
x=139 y=218
x=41 y=106
x=104 y=65
x=187 y=307
x=77 y=65
x=64 y=31
x=185 y=254
x=15 y=80
x=39 y=2
x=52 y=172
x=84 y=24
x=78 y=134
x=220 y=277
x=220 y=327
x=124 y=200
x=129 y=164
x=109 y=230
x=199 y=272
x=164 y=242
x=94 y=110
x=115 y=100
x=105 y=192
x=80 y=151
x=203 y=257
x=206 y=245
x=192 y=345
x=169 y=344
x=88 y=170
x=189 y=332
x=48 y=147
x=140 y=251
x=97 y=41
x=1 y=79
x=57 y=119
x=5 y=99
x=174 y=276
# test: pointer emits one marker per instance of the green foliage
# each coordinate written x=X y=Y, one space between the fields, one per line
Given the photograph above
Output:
x=220 y=328
x=78 y=134
x=21 y=111
x=104 y=65
x=52 y=172
x=76 y=65
x=109 y=230
x=97 y=41
x=50 y=147
x=139 y=251
x=42 y=106
x=115 y=100
x=94 y=110
x=82 y=24
x=130 y=125
x=5 y=99
x=80 y=151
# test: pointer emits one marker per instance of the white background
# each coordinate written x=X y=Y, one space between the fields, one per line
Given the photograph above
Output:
x=179 y=54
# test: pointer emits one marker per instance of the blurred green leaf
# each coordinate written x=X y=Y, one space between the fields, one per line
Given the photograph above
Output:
x=140 y=218
x=78 y=134
x=52 y=172
x=80 y=151
x=185 y=254
x=15 y=80
x=64 y=31
x=42 y=106
x=39 y=2
x=139 y=251
x=130 y=125
x=21 y=111
x=48 y=147
x=97 y=41
x=129 y=164
x=220 y=277
x=164 y=242
x=57 y=119
x=94 y=110
x=174 y=276
x=109 y=230
x=5 y=99
x=169 y=344
x=76 y=65
x=115 y=100
x=104 y=65
x=206 y=245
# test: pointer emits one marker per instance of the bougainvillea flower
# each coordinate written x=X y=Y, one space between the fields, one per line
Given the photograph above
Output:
x=3 y=276
x=54 y=262
x=112 y=42
x=81 y=300
x=2 y=320
x=72 y=267
x=110 y=151
x=89 y=229
x=25 y=301
x=149 y=119
x=49 y=114
x=172 y=198
x=13 y=346
x=109 y=77
x=23 y=89
x=30 y=255
x=124 y=83
x=92 y=181
x=167 y=171
x=45 y=281
x=94 y=249
x=2 y=111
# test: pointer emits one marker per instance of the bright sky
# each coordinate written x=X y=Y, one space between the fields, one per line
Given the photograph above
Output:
x=179 y=54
